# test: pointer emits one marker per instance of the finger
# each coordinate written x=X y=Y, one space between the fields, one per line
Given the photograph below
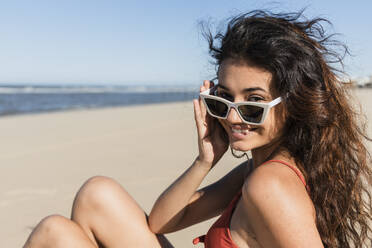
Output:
x=202 y=88
x=209 y=120
x=206 y=84
x=203 y=109
x=198 y=117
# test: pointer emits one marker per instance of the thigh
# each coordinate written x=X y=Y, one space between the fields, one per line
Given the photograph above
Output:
x=111 y=217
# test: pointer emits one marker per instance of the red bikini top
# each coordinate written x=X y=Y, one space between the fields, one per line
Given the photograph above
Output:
x=219 y=235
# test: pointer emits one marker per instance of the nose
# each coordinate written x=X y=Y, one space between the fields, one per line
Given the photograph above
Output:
x=233 y=116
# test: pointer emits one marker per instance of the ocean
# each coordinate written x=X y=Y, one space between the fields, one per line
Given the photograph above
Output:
x=25 y=99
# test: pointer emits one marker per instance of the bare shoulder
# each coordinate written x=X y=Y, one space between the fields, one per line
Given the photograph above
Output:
x=277 y=180
x=277 y=204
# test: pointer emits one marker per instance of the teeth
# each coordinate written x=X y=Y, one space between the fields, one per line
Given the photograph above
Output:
x=244 y=131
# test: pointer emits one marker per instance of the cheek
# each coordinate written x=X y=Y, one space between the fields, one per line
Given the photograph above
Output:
x=274 y=124
x=223 y=124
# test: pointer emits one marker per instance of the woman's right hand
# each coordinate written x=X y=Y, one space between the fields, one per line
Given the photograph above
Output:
x=212 y=138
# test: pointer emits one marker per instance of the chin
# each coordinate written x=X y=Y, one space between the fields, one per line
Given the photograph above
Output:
x=240 y=146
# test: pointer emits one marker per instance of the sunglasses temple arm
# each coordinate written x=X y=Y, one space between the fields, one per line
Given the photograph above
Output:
x=275 y=102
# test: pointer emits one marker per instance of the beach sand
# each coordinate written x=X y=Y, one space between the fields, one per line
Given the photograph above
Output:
x=45 y=158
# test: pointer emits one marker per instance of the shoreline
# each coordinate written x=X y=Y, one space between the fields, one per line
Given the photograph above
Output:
x=47 y=112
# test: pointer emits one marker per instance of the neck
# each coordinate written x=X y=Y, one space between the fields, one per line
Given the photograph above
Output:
x=264 y=153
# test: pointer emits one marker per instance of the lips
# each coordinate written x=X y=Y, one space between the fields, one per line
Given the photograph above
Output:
x=243 y=131
x=239 y=132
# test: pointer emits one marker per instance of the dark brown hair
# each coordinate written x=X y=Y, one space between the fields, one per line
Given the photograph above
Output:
x=322 y=131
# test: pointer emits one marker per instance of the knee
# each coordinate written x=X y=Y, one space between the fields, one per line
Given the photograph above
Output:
x=48 y=231
x=97 y=192
x=53 y=222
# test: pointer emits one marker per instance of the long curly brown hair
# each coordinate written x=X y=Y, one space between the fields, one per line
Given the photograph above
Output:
x=323 y=131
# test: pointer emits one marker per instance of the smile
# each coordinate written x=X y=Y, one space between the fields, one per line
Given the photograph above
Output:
x=244 y=131
x=241 y=131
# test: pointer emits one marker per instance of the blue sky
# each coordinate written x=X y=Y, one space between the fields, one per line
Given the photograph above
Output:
x=136 y=41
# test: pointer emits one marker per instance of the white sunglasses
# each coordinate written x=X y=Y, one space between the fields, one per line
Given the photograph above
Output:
x=253 y=113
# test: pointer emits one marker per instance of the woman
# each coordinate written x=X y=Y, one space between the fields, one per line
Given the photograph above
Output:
x=278 y=97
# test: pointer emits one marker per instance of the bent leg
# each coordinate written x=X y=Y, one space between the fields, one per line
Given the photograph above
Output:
x=111 y=217
x=57 y=231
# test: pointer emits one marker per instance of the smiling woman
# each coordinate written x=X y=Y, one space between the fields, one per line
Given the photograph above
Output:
x=278 y=97
x=314 y=116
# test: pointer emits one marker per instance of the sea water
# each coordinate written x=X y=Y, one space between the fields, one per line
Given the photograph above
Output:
x=22 y=99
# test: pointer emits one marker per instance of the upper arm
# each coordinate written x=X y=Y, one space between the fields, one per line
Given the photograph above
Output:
x=279 y=209
x=211 y=200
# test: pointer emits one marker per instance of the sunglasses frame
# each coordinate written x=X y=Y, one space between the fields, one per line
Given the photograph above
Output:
x=266 y=106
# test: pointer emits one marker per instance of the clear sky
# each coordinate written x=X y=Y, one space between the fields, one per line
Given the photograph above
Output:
x=137 y=41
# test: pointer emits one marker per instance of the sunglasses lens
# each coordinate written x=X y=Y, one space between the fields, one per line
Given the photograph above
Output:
x=251 y=113
x=216 y=107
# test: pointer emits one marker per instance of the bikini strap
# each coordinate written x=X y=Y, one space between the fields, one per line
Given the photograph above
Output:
x=293 y=168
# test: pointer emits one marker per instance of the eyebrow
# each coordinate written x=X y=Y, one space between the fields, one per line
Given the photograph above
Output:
x=244 y=90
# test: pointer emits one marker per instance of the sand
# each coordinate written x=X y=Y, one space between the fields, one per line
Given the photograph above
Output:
x=45 y=158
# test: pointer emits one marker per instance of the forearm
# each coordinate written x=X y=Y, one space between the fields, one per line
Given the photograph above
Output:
x=171 y=205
